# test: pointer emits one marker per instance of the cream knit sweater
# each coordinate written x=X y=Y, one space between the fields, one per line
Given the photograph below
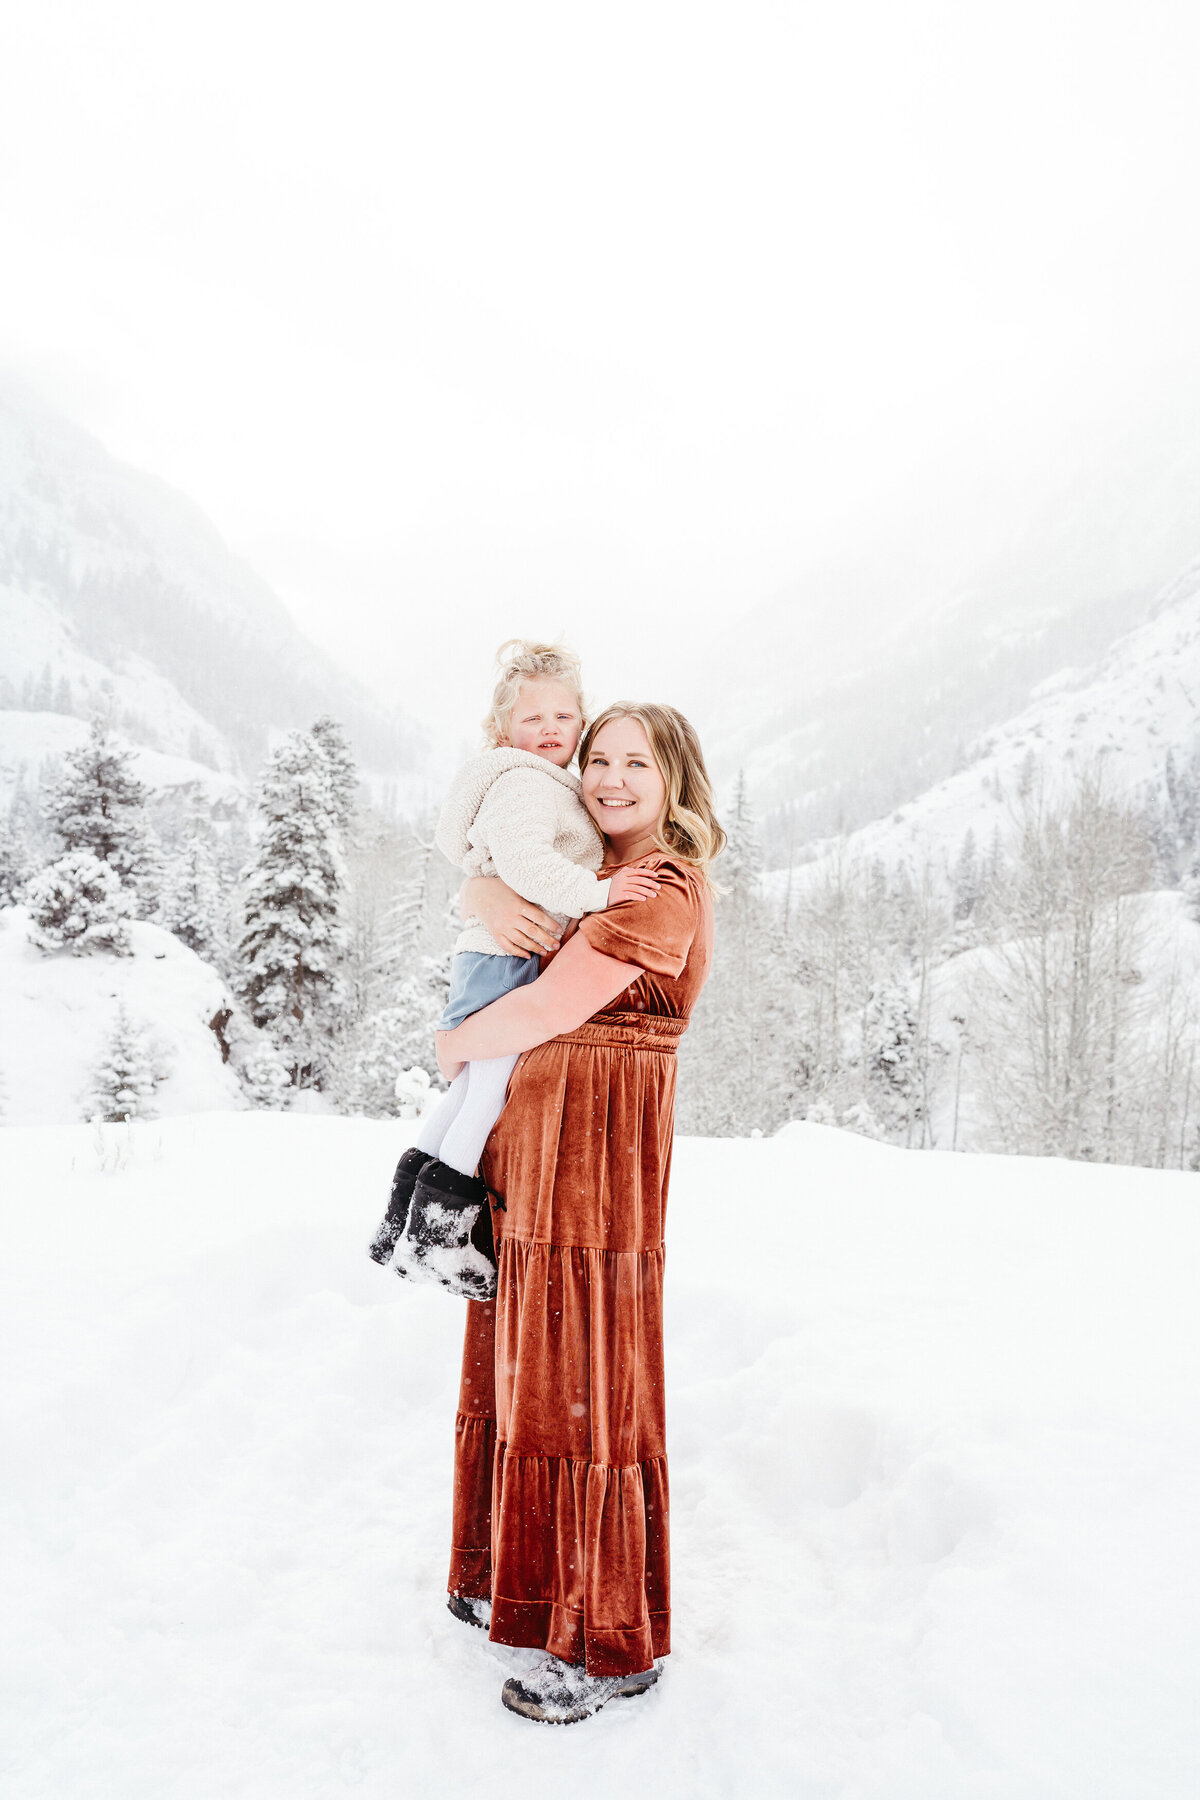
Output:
x=513 y=814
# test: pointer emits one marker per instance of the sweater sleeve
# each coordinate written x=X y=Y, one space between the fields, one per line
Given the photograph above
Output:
x=518 y=821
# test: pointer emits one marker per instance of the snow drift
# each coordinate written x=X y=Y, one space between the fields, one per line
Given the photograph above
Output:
x=59 y=1009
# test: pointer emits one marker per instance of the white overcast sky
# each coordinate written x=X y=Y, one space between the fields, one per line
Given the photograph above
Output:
x=462 y=320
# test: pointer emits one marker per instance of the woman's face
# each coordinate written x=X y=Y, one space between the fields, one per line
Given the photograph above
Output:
x=623 y=787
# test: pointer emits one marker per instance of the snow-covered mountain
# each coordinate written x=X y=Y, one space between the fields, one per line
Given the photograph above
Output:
x=1130 y=707
x=976 y=602
x=116 y=591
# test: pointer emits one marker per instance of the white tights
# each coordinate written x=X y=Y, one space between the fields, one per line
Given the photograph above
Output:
x=458 y=1127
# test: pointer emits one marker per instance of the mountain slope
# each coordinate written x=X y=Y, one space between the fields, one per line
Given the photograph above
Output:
x=122 y=593
x=1133 y=705
x=869 y=681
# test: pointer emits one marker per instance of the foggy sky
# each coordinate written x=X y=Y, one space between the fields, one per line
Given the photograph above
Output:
x=468 y=320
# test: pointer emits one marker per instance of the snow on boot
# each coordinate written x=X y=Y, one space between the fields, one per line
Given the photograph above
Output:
x=403 y=1181
x=470 y=1610
x=562 y=1693
x=448 y=1237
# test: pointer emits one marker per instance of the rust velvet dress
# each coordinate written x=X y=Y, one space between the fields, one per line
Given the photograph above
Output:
x=560 y=1478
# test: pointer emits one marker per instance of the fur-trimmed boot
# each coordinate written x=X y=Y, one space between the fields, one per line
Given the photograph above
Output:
x=448 y=1237
x=403 y=1181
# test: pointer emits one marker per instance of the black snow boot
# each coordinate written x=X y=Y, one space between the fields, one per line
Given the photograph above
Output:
x=403 y=1181
x=448 y=1237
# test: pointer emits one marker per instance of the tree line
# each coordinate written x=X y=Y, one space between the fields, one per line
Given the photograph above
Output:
x=1040 y=996
x=327 y=921
x=1032 y=996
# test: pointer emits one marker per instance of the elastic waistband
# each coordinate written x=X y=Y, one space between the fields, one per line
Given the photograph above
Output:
x=629 y=1031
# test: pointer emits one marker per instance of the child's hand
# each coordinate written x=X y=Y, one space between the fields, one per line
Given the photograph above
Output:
x=632 y=884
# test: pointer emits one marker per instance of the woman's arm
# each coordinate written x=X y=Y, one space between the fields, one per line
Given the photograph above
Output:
x=578 y=983
x=518 y=926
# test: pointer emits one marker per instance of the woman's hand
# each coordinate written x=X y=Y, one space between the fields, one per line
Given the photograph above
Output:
x=518 y=926
x=447 y=1062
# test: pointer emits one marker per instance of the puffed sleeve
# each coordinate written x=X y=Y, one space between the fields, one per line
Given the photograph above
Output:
x=655 y=934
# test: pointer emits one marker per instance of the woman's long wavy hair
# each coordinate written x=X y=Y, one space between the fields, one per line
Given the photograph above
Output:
x=688 y=828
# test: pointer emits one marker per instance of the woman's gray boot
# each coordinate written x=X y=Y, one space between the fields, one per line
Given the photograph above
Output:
x=470 y=1610
x=563 y=1693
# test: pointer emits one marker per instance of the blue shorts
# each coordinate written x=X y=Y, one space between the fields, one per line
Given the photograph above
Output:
x=476 y=979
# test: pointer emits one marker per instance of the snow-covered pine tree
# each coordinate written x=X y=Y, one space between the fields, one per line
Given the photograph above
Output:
x=97 y=804
x=15 y=864
x=398 y=993
x=78 y=904
x=263 y=1077
x=330 y=738
x=741 y=863
x=28 y=826
x=122 y=1086
x=294 y=933
x=735 y=1072
x=1191 y=888
x=967 y=878
x=191 y=903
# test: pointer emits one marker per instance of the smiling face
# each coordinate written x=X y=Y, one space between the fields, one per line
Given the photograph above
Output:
x=623 y=788
x=546 y=720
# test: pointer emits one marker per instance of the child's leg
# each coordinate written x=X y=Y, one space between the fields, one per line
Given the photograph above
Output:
x=463 y=1141
x=439 y=1118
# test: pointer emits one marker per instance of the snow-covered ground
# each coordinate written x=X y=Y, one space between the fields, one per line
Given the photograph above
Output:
x=935 y=1451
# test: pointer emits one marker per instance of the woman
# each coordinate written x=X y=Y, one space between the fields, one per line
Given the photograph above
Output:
x=560 y=1496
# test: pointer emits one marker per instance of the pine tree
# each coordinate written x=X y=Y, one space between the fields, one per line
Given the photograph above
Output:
x=294 y=934
x=15 y=864
x=97 y=804
x=741 y=863
x=149 y=873
x=735 y=1073
x=1191 y=888
x=397 y=992
x=330 y=739
x=263 y=1076
x=78 y=904
x=967 y=878
x=191 y=904
x=123 y=1081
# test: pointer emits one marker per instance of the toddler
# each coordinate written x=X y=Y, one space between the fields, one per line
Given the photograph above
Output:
x=515 y=811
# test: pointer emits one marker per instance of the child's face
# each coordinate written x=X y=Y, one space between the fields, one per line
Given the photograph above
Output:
x=546 y=719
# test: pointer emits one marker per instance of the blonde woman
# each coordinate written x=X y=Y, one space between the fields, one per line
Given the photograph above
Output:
x=560 y=1500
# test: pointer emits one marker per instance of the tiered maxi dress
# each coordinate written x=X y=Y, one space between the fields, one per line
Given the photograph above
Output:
x=560 y=1481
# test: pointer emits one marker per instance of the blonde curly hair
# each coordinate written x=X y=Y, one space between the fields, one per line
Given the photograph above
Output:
x=520 y=660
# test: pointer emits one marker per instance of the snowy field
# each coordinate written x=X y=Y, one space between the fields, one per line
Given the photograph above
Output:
x=935 y=1458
